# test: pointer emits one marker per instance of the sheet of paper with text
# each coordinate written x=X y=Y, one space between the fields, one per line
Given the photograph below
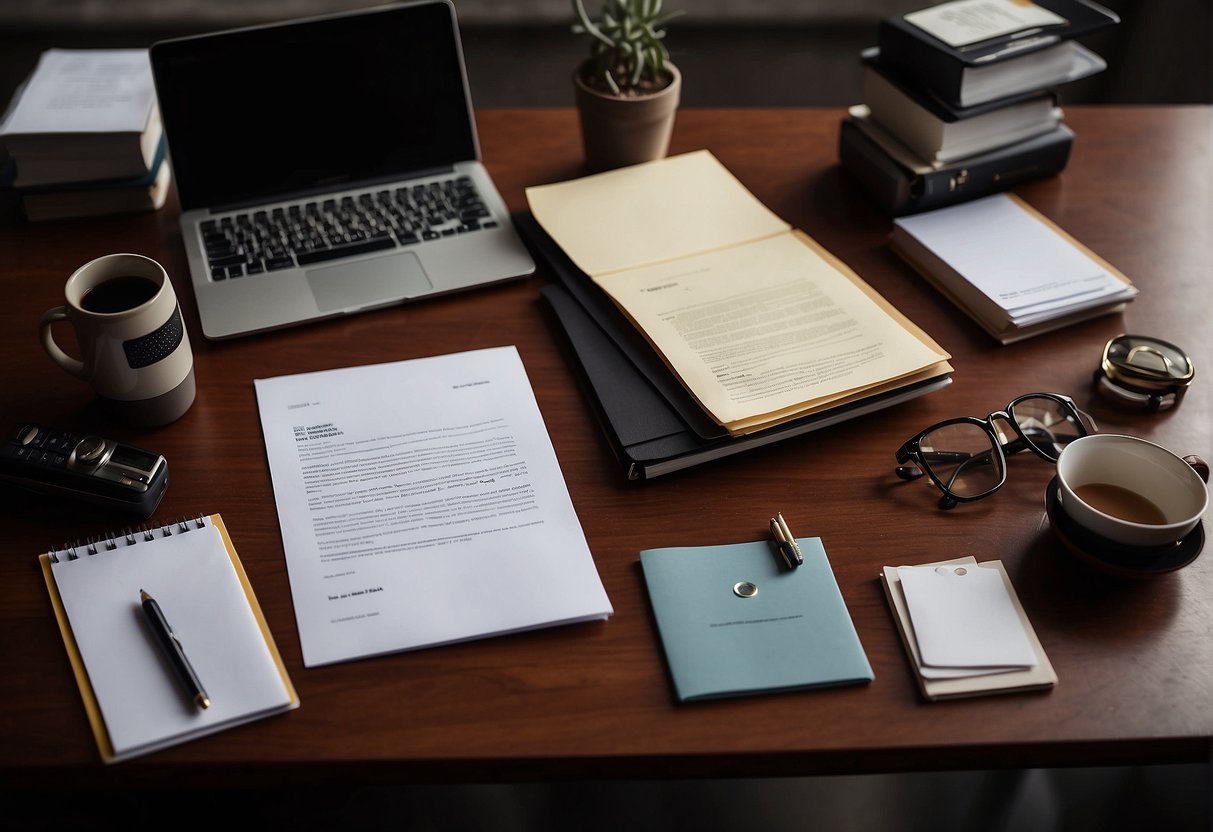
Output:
x=421 y=503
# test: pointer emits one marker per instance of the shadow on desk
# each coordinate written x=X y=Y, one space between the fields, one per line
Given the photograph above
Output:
x=1173 y=798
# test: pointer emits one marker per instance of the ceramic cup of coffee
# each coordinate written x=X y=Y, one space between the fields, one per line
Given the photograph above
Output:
x=1131 y=491
x=134 y=349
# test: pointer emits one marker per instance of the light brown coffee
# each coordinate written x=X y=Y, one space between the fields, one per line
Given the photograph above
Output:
x=1121 y=502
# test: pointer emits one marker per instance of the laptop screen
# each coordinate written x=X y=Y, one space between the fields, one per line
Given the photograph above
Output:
x=264 y=112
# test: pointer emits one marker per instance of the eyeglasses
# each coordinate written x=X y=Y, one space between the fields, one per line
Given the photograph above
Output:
x=966 y=457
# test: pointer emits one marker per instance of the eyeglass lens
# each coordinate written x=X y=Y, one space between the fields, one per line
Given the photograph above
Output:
x=962 y=456
x=1047 y=424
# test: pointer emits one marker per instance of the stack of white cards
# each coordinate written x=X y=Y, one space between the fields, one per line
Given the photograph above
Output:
x=965 y=630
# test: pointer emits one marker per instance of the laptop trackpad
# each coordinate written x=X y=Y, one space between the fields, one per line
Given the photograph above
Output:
x=380 y=280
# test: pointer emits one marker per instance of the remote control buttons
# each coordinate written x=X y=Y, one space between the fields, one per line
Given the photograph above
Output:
x=90 y=450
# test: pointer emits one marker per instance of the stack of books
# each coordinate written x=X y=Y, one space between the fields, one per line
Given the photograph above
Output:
x=83 y=136
x=960 y=101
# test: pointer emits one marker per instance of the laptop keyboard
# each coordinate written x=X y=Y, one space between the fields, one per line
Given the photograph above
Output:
x=299 y=234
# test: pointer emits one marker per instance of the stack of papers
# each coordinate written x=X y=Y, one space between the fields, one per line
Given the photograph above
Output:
x=1010 y=268
x=965 y=630
x=757 y=321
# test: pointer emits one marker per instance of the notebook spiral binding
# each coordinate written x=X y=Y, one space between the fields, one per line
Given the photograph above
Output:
x=89 y=546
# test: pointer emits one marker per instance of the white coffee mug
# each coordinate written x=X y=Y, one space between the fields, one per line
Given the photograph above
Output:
x=135 y=351
x=1129 y=490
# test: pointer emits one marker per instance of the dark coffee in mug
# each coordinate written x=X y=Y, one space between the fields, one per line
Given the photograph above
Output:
x=119 y=294
x=1120 y=502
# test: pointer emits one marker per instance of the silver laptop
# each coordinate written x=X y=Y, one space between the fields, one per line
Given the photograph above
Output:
x=329 y=166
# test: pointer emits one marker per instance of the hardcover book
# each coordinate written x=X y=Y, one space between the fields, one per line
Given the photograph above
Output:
x=87 y=199
x=941 y=134
x=84 y=115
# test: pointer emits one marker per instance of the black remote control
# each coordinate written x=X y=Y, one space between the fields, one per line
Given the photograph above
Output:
x=83 y=467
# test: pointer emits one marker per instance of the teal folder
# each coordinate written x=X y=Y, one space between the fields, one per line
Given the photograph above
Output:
x=734 y=621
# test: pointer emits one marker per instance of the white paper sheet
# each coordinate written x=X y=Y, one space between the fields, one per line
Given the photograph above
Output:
x=964 y=617
x=86 y=91
x=421 y=503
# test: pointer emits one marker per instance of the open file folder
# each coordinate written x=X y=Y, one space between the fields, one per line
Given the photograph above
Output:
x=653 y=425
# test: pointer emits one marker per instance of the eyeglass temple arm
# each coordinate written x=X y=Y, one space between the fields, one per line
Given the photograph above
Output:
x=906 y=472
x=1086 y=417
x=959 y=458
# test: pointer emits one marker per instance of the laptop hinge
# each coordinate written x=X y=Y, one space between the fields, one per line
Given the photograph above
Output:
x=350 y=185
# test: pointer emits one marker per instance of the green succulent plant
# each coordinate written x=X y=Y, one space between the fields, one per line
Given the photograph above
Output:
x=627 y=52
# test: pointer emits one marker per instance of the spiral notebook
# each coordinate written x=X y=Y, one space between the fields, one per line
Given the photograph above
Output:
x=135 y=702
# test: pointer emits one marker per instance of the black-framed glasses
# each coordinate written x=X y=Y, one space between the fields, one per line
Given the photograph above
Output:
x=966 y=457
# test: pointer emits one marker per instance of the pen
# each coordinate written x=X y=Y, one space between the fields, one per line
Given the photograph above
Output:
x=786 y=542
x=173 y=649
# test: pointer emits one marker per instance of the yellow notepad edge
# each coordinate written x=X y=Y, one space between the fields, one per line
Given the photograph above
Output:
x=91 y=707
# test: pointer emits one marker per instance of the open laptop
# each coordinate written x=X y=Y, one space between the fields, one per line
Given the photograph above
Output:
x=328 y=166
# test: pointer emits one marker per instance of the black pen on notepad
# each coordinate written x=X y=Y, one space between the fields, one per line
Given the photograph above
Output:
x=173 y=649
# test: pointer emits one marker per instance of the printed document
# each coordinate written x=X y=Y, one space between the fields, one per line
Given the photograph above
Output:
x=421 y=503
x=757 y=320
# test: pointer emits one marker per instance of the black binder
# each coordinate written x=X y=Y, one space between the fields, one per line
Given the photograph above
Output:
x=928 y=62
x=653 y=425
x=937 y=106
x=901 y=184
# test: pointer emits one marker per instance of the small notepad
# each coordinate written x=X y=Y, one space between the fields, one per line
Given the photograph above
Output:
x=134 y=701
x=963 y=617
x=964 y=629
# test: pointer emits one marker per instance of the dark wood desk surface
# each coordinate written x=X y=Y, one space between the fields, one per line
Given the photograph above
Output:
x=1134 y=659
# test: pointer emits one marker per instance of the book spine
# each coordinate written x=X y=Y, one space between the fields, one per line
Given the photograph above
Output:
x=90 y=546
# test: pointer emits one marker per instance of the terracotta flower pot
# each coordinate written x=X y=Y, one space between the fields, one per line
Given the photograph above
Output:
x=617 y=131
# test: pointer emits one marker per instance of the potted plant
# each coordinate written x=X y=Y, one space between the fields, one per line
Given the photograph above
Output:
x=627 y=91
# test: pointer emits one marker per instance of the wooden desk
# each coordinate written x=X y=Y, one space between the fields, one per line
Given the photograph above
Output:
x=1135 y=660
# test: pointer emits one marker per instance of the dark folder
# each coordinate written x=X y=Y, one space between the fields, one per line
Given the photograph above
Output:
x=928 y=62
x=653 y=425
x=901 y=184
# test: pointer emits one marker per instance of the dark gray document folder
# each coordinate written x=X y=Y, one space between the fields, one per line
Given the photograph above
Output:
x=651 y=422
